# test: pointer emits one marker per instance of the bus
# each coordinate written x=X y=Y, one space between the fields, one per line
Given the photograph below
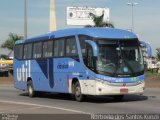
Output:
x=80 y=61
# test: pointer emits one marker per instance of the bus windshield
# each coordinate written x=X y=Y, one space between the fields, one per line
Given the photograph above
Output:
x=121 y=58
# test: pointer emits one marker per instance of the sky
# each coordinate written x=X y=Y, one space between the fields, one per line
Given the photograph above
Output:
x=146 y=17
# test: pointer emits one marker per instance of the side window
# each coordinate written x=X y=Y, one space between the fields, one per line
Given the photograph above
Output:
x=48 y=49
x=82 y=39
x=90 y=59
x=59 y=48
x=37 y=50
x=18 y=51
x=71 y=47
x=27 y=51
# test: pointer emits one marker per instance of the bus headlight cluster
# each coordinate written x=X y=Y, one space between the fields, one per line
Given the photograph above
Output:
x=139 y=82
x=101 y=81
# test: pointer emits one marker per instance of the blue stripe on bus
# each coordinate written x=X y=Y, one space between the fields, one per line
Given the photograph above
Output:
x=43 y=66
x=46 y=67
x=51 y=73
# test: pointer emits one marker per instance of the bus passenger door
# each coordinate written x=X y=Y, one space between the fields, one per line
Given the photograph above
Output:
x=90 y=63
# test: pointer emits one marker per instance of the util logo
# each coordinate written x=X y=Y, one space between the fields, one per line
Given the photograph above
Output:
x=24 y=72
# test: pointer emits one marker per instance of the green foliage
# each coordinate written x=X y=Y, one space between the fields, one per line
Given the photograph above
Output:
x=149 y=73
x=158 y=53
x=4 y=56
x=98 y=21
x=9 y=43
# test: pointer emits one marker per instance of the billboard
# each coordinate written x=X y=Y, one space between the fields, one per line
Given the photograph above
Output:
x=80 y=15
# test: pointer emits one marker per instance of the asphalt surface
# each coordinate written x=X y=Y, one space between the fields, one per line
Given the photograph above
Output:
x=18 y=102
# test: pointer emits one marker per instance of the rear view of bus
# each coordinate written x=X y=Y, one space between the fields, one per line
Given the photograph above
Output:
x=80 y=61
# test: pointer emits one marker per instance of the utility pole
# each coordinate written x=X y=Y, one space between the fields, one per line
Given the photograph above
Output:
x=25 y=19
x=52 y=25
x=132 y=5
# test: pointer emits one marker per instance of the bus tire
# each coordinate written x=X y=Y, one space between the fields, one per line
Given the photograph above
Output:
x=30 y=89
x=77 y=92
x=6 y=74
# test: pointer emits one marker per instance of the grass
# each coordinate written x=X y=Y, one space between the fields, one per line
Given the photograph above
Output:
x=149 y=73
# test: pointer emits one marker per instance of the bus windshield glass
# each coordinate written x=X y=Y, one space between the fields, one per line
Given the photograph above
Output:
x=121 y=58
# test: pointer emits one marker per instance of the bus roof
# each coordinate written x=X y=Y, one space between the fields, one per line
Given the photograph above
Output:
x=93 y=32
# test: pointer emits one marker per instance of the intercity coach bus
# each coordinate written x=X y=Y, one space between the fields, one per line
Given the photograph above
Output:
x=80 y=61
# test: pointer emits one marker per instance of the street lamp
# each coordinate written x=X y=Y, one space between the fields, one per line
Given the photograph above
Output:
x=132 y=5
x=25 y=19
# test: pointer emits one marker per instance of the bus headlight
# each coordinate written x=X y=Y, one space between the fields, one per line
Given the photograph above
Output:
x=102 y=81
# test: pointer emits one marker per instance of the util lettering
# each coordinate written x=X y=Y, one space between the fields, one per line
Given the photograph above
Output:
x=24 y=71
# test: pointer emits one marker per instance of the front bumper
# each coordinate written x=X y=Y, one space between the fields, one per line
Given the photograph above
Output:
x=112 y=89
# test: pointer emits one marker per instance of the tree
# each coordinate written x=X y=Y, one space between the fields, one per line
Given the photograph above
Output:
x=4 y=56
x=9 y=43
x=98 y=21
x=158 y=53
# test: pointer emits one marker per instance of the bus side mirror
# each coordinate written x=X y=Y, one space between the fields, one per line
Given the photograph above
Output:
x=94 y=47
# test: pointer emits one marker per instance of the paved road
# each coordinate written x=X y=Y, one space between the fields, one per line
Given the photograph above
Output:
x=16 y=101
x=63 y=104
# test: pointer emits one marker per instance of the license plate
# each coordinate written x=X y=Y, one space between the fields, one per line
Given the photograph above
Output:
x=124 y=90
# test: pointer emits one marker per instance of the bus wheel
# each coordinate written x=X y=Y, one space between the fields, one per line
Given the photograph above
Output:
x=77 y=92
x=30 y=89
x=6 y=74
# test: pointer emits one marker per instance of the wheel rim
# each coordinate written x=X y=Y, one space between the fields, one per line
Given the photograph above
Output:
x=30 y=90
x=78 y=91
